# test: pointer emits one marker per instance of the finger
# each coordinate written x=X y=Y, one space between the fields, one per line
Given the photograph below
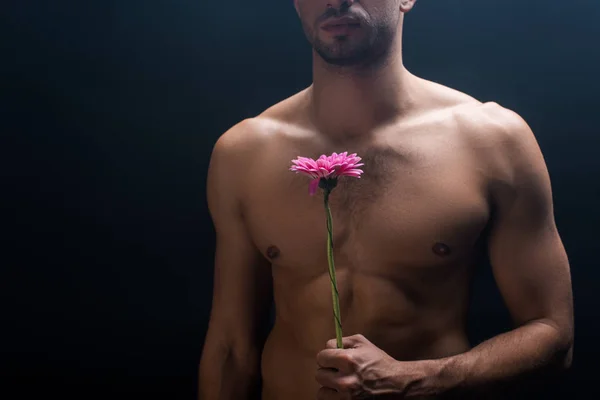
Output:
x=339 y=359
x=354 y=341
x=325 y=393
x=328 y=377
x=348 y=342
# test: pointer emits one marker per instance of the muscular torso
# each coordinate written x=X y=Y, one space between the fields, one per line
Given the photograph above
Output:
x=406 y=236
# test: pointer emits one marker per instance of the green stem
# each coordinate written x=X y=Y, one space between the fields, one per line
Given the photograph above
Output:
x=334 y=290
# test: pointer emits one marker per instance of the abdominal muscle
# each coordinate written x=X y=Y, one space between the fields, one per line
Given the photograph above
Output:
x=404 y=323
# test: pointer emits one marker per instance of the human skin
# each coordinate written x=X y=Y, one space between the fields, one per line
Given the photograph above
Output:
x=447 y=180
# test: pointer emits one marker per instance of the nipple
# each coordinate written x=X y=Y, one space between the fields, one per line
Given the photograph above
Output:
x=273 y=252
x=441 y=249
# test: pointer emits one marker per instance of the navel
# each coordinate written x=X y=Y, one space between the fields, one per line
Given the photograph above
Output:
x=273 y=252
x=441 y=249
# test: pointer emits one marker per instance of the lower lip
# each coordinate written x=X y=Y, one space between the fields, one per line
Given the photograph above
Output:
x=341 y=29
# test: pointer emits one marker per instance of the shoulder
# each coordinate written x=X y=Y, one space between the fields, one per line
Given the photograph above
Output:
x=492 y=121
x=495 y=133
x=252 y=134
x=250 y=140
x=484 y=121
x=243 y=138
x=508 y=152
x=501 y=135
x=234 y=152
x=499 y=142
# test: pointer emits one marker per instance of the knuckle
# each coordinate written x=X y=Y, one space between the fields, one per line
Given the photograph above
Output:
x=349 y=385
x=347 y=357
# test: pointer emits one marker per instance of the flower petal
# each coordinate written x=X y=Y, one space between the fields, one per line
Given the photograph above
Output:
x=312 y=188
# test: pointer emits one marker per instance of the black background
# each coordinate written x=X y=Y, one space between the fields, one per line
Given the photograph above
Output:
x=109 y=113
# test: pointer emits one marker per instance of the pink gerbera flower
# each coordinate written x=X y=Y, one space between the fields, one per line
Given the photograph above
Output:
x=324 y=173
x=326 y=169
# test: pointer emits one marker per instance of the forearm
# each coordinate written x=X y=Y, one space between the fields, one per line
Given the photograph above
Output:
x=530 y=349
x=229 y=375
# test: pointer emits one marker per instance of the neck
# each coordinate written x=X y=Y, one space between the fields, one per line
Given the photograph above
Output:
x=353 y=101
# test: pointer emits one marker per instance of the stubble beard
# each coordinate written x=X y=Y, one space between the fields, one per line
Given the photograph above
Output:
x=363 y=53
x=342 y=52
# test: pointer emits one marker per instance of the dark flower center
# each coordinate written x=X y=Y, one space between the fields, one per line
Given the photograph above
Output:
x=328 y=184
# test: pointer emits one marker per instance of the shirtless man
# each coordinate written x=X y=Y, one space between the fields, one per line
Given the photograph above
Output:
x=447 y=180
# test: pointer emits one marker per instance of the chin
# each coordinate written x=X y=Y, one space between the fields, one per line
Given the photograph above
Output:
x=343 y=59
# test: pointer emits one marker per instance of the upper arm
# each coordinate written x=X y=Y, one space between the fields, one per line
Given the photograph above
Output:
x=242 y=276
x=527 y=256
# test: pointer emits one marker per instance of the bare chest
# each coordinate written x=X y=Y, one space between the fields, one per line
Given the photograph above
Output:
x=419 y=207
